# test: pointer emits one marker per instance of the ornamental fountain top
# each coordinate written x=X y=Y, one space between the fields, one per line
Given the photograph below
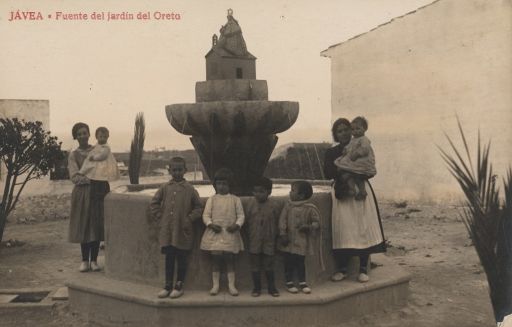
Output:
x=232 y=123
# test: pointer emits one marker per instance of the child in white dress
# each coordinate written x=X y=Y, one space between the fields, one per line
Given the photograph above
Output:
x=357 y=164
x=100 y=164
x=223 y=216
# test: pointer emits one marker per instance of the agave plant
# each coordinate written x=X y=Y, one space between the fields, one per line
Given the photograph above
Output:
x=137 y=149
x=487 y=217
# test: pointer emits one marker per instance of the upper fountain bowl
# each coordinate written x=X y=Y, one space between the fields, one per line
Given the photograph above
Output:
x=232 y=117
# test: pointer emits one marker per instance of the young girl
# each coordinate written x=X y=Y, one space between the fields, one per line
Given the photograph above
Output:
x=298 y=220
x=100 y=164
x=223 y=216
x=357 y=163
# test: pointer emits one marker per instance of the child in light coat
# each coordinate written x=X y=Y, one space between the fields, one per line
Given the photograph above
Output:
x=297 y=223
x=223 y=216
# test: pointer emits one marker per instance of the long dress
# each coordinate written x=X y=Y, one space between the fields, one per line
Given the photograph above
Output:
x=356 y=225
x=86 y=217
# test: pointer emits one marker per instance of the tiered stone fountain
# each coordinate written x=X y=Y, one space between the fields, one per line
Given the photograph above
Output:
x=232 y=125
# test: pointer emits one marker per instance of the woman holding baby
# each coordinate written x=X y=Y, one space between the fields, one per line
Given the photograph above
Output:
x=356 y=225
x=90 y=169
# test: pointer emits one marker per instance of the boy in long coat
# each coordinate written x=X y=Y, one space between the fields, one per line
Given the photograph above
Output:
x=176 y=205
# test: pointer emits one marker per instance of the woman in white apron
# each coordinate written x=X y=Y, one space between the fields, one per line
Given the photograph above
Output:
x=356 y=225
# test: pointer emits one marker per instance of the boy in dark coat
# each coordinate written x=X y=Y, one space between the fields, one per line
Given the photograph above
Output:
x=262 y=217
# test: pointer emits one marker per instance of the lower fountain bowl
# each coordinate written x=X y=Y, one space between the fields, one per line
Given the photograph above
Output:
x=232 y=117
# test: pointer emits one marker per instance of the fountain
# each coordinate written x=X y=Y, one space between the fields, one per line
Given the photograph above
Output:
x=232 y=125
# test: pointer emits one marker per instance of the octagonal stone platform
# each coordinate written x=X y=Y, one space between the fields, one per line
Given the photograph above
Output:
x=110 y=302
x=125 y=293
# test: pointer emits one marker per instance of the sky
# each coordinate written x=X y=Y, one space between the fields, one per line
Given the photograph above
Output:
x=105 y=72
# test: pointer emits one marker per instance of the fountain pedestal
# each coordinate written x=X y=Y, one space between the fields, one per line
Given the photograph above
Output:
x=124 y=294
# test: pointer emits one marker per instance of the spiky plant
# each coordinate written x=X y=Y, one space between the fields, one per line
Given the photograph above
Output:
x=137 y=148
x=487 y=219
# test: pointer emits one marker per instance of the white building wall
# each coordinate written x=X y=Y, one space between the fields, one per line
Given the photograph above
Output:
x=410 y=78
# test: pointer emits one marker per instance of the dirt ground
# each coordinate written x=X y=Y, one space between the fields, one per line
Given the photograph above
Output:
x=448 y=286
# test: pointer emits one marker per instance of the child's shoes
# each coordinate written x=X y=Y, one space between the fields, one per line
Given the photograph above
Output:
x=215 y=280
x=233 y=291
x=94 y=266
x=231 y=284
x=290 y=287
x=164 y=293
x=304 y=288
x=363 y=278
x=177 y=291
x=338 y=276
x=214 y=290
x=272 y=290
x=84 y=266
x=256 y=280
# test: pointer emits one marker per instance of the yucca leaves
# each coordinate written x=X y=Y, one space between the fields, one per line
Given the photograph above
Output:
x=488 y=221
x=137 y=148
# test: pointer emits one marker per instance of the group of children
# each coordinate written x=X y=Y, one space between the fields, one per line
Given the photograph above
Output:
x=290 y=229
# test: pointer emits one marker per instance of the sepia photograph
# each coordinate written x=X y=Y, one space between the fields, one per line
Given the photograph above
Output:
x=256 y=163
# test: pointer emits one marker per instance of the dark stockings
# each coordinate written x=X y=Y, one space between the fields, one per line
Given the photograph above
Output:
x=175 y=256
x=90 y=251
x=294 y=263
x=226 y=258
x=342 y=260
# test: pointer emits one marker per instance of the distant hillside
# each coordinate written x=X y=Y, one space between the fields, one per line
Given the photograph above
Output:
x=292 y=160
x=297 y=160
x=154 y=161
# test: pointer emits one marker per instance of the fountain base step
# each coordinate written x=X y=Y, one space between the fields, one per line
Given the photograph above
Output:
x=108 y=302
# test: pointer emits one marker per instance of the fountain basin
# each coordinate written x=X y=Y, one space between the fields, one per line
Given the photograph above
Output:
x=232 y=117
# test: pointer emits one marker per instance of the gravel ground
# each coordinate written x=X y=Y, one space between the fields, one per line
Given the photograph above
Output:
x=448 y=286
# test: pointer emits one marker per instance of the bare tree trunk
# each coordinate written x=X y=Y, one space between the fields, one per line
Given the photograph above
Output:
x=3 y=205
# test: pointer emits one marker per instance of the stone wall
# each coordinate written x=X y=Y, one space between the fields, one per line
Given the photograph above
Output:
x=412 y=76
x=43 y=207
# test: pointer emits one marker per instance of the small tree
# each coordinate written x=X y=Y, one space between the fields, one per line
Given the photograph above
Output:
x=137 y=149
x=28 y=152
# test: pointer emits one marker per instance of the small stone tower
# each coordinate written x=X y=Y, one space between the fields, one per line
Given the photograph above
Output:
x=228 y=57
